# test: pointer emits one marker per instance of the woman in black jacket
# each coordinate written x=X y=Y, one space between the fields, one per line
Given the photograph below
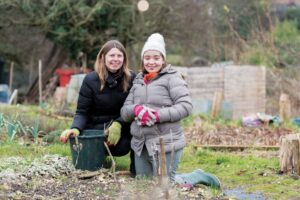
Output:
x=101 y=97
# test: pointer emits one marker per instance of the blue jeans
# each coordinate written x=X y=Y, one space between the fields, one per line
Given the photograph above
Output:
x=146 y=165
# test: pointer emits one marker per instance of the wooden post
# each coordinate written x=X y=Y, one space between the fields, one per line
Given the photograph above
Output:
x=11 y=75
x=284 y=107
x=13 y=97
x=163 y=165
x=216 y=106
x=290 y=154
x=163 y=178
x=40 y=82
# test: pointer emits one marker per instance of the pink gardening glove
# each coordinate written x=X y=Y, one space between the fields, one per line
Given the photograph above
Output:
x=145 y=116
x=138 y=109
x=142 y=115
x=157 y=120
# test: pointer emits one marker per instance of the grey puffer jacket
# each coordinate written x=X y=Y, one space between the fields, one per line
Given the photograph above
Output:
x=169 y=95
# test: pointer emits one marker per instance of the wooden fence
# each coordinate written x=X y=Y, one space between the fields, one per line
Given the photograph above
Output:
x=242 y=86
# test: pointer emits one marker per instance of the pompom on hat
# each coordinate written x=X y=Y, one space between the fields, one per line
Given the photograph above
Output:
x=155 y=42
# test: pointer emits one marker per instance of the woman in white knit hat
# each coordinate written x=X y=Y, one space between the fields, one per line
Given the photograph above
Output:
x=157 y=101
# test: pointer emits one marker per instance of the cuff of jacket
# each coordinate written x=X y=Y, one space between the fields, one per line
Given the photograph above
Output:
x=129 y=113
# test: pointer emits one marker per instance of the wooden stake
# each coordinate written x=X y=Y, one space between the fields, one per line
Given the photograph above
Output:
x=40 y=82
x=284 y=107
x=11 y=75
x=163 y=165
x=163 y=178
x=216 y=106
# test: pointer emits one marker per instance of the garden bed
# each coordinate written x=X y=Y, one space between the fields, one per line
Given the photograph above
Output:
x=226 y=135
x=54 y=177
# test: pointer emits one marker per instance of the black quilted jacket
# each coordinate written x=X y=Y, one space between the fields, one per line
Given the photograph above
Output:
x=96 y=108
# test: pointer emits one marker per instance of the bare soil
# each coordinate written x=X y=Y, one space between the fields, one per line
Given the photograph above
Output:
x=99 y=187
x=54 y=177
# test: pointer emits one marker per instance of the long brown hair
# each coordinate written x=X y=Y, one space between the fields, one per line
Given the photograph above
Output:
x=102 y=70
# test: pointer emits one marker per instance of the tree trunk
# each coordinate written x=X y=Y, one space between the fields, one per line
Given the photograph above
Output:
x=290 y=154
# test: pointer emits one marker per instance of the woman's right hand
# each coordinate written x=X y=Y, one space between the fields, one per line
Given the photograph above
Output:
x=67 y=133
x=145 y=116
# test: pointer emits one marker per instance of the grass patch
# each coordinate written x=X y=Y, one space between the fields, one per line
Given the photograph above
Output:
x=122 y=162
x=238 y=170
x=13 y=148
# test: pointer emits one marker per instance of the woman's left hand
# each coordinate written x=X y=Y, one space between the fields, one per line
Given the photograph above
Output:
x=114 y=133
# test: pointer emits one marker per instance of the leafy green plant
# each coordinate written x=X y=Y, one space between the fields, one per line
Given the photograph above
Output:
x=293 y=14
x=259 y=55
x=34 y=130
x=12 y=127
x=27 y=121
x=287 y=41
x=15 y=126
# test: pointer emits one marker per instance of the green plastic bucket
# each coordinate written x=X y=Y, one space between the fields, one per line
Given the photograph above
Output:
x=89 y=152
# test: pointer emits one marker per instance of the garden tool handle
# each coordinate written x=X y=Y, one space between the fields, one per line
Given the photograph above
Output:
x=76 y=140
x=77 y=146
x=107 y=126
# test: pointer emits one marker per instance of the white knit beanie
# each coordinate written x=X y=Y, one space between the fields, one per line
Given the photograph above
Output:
x=155 y=42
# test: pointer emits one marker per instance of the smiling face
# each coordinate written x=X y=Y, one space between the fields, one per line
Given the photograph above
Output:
x=114 y=60
x=153 y=61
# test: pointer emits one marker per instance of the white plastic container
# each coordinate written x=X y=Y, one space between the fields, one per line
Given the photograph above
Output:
x=74 y=87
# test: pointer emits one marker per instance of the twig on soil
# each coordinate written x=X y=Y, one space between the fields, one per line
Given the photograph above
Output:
x=89 y=175
x=113 y=165
x=101 y=171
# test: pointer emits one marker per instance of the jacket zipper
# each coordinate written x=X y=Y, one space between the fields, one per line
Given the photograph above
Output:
x=146 y=93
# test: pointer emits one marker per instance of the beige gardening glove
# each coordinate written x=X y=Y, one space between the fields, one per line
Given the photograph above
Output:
x=67 y=133
x=114 y=133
